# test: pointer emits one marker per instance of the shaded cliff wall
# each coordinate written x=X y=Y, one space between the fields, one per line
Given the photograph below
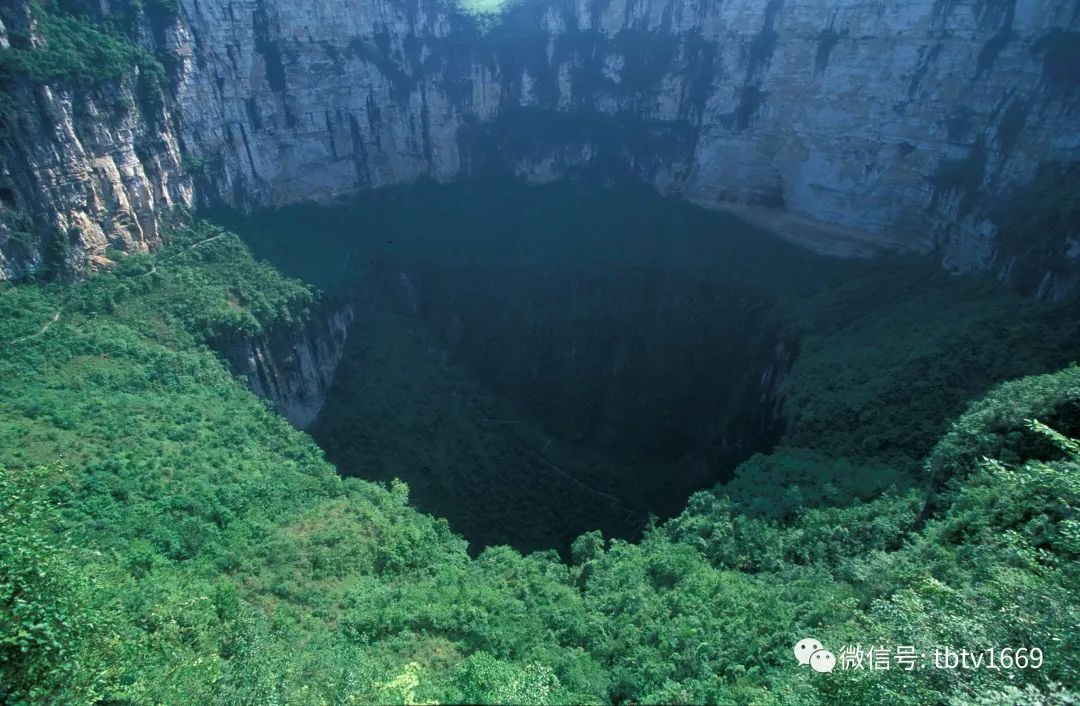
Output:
x=896 y=122
x=294 y=369
x=901 y=120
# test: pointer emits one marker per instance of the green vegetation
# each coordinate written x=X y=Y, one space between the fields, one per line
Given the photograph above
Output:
x=890 y=358
x=511 y=341
x=166 y=538
x=72 y=47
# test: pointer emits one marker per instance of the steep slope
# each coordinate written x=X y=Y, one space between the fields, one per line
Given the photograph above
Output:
x=184 y=545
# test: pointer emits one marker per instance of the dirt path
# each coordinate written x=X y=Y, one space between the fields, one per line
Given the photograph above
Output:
x=195 y=245
x=185 y=250
x=616 y=503
x=53 y=320
x=152 y=270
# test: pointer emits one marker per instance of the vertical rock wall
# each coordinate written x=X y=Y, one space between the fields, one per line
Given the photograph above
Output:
x=84 y=168
x=899 y=123
x=294 y=369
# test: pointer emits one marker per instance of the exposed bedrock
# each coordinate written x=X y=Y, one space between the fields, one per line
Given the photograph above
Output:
x=846 y=124
x=294 y=369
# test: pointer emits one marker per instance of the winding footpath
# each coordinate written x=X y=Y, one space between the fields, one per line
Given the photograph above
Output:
x=153 y=269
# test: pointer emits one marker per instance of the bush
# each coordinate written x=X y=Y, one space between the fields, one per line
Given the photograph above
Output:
x=996 y=426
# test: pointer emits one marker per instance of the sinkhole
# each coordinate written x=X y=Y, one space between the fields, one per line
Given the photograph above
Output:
x=540 y=361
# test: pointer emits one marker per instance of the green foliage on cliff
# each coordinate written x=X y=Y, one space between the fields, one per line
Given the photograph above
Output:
x=74 y=48
x=890 y=357
x=165 y=538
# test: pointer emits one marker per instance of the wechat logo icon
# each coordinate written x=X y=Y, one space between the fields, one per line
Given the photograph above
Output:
x=809 y=651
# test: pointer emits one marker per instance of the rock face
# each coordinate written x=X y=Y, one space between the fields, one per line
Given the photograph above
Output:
x=898 y=123
x=84 y=170
x=294 y=369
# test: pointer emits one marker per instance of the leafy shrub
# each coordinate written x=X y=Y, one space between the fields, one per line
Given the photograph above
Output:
x=53 y=628
x=74 y=48
x=996 y=426
x=196 y=549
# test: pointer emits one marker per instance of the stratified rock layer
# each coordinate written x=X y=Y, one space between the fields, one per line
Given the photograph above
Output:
x=844 y=124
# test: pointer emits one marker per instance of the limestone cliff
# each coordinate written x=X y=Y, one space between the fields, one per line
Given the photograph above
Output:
x=294 y=369
x=83 y=168
x=853 y=122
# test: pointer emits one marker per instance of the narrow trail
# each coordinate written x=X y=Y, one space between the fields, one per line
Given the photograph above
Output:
x=538 y=452
x=153 y=269
x=616 y=503
x=191 y=247
x=53 y=320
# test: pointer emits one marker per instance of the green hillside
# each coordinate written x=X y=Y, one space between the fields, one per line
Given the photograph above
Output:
x=166 y=538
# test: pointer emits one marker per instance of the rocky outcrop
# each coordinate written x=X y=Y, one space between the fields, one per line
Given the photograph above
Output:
x=852 y=121
x=83 y=169
x=294 y=369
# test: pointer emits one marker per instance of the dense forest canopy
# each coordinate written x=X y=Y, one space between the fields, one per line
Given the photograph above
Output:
x=902 y=485
x=167 y=538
